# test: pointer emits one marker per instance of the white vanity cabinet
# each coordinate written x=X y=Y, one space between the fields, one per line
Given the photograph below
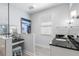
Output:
x=2 y=47
x=7 y=46
x=59 y=51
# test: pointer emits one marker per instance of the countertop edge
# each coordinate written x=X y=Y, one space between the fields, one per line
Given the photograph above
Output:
x=64 y=47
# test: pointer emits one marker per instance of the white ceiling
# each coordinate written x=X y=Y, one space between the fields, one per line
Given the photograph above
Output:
x=33 y=7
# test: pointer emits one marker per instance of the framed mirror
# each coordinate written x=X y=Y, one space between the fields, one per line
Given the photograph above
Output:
x=25 y=26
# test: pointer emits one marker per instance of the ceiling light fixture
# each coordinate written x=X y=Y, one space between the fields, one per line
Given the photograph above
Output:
x=73 y=14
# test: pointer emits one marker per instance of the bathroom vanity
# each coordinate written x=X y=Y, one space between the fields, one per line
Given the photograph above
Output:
x=64 y=46
x=60 y=51
x=7 y=45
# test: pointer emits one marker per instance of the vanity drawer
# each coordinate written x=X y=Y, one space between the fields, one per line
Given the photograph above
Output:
x=2 y=47
x=58 y=51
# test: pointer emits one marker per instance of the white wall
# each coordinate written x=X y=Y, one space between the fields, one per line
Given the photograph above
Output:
x=3 y=13
x=75 y=24
x=15 y=17
x=57 y=15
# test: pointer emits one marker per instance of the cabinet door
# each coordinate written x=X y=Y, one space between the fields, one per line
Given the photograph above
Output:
x=42 y=51
x=58 y=51
x=2 y=47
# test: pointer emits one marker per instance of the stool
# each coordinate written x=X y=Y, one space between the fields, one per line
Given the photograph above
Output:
x=17 y=51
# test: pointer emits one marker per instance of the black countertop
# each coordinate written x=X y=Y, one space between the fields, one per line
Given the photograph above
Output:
x=17 y=40
x=64 y=47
